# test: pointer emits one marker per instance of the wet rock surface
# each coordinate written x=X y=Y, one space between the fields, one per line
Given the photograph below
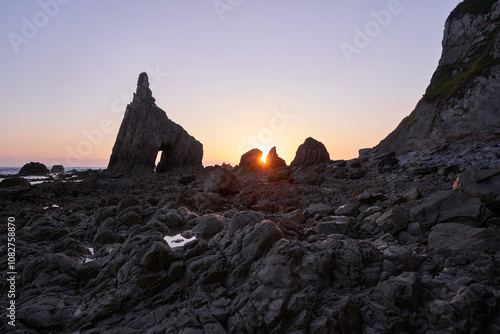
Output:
x=389 y=252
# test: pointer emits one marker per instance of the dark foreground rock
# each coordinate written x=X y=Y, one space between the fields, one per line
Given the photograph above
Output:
x=385 y=253
x=15 y=181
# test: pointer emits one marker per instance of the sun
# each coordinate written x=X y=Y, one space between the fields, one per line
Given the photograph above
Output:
x=265 y=152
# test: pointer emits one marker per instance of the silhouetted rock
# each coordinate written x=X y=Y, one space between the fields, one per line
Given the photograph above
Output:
x=146 y=130
x=14 y=181
x=310 y=153
x=57 y=169
x=251 y=161
x=34 y=168
x=273 y=161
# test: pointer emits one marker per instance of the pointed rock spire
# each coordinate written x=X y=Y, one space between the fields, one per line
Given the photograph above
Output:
x=145 y=131
x=143 y=93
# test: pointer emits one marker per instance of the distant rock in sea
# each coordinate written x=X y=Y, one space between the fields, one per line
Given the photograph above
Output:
x=310 y=153
x=145 y=131
x=34 y=168
x=57 y=169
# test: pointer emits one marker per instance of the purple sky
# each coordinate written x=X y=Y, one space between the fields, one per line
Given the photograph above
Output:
x=236 y=74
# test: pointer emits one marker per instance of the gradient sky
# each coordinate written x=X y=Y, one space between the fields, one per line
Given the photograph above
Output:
x=236 y=74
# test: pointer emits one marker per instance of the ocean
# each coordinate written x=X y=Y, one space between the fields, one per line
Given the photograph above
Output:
x=35 y=179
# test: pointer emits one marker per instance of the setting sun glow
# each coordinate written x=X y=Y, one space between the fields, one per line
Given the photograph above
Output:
x=265 y=152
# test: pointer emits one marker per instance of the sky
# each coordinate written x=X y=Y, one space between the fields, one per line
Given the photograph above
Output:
x=236 y=74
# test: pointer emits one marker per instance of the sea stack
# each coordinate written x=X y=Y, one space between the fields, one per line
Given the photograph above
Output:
x=145 y=131
x=310 y=153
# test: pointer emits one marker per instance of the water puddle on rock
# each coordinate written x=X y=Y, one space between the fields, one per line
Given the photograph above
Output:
x=89 y=258
x=178 y=240
x=52 y=206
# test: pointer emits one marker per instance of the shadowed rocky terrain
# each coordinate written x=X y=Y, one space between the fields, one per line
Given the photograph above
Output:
x=403 y=239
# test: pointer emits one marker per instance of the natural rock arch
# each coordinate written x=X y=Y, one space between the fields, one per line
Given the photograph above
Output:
x=146 y=130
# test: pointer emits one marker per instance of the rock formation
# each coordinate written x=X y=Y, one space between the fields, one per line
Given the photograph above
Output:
x=146 y=130
x=14 y=181
x=251 y=161
x=57 y=169
x=462 y=102
x=273 y=161
x=377 y=244
x=34 y=168
x=310 y=153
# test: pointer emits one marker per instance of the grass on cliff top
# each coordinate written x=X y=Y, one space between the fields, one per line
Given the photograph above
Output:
x=445 y=85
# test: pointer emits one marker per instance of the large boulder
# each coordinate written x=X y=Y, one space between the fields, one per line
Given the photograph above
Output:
x=310 y=153
x=222 y=181
x=483 y=184
x=251 y=161
x=208 y=225
x=145 y=131
x=34 y=168
x=14 y=181
x=449 y=206
x=464 y=237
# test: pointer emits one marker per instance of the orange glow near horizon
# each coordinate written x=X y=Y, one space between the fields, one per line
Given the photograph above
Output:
x=264 y=155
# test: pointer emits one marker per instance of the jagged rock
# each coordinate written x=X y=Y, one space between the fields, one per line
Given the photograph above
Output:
x=273 y=161
x=311 y=178
x=461 y=102
x=447 y=170
x=387 y=162
x=146 y=130
x=15 y=181
x=34 y=168
x=247 y=197
x=281 y=174
x=310 y=153
x=349 y=209
x=449 y=206
x=57 y=169
x=483 y=184
x=465 y=237
x=223 y=182
x=251 y=161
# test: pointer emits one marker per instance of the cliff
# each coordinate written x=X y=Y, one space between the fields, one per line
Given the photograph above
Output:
x=462 y=102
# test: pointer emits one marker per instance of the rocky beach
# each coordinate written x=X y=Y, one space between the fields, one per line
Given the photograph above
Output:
x=404 y=238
